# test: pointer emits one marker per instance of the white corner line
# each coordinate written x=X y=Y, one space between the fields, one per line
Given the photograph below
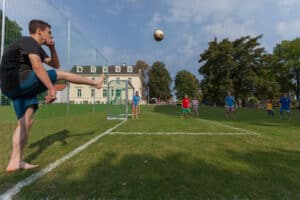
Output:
x=30 y=179
x=229 y=126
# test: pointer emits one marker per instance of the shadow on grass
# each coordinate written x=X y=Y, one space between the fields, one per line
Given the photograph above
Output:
x=269 y=175
x=49 y=140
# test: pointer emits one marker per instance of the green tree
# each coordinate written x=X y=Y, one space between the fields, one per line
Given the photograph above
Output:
x=186 y=83
x=12 y=30
x=218 y=62
x=288 y=55
x=143 y=67
x=12 y=33
x=240 y=66
x=159 y=81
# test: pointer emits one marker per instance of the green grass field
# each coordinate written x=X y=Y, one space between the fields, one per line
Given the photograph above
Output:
x=249 y=156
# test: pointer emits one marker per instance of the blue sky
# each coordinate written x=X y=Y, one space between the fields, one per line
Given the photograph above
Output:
x=122 y=29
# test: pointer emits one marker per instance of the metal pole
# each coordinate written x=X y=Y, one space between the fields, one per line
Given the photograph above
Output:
x=148 y=94
x=69 y=41
x=68 y=60
x=94 y=100
x=2 y=39
x=3 y=28
x=126 y=101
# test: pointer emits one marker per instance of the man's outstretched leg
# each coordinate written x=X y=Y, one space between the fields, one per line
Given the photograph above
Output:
x=75 y=78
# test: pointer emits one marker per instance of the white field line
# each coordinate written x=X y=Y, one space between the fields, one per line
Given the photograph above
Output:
x=180 y=133
x=229 y=126
x=27 y=181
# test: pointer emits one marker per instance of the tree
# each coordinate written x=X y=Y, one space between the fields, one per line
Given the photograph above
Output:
x=12 y=33
x=288 y=55
x=159 y=81
x=143 y=66
x=218 y=61
x=12 y=30
x=240 y=66
x=186 y=83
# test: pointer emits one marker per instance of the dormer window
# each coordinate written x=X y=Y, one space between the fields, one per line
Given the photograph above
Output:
x=118 y=68
x=93 y=69
x=105 y=69
x=129 y=69
x=79 y=69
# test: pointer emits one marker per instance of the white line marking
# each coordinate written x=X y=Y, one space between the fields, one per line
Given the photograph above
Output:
x=229 y=126
x=27 y=181
x=179 y=133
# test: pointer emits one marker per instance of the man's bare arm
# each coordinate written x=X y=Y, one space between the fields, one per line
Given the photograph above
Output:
x=53 y=61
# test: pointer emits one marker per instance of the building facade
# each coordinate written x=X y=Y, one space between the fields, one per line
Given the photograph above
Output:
x=82 y=94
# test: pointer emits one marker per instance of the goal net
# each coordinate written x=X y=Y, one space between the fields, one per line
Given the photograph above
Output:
x=119 y=98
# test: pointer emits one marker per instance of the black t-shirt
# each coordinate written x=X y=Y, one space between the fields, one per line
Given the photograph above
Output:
x=15 y=63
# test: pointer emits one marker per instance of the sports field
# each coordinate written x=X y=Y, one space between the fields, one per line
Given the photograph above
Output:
x=159 y=156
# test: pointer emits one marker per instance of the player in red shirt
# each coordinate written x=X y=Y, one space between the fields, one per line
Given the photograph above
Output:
x=186 y=106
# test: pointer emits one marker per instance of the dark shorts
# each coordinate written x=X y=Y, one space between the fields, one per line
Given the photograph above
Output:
x=26 y=95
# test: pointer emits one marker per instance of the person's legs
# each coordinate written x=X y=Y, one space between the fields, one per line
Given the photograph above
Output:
x=74 y=78
x=281 y=113
x=136 y=111
x=19 y=141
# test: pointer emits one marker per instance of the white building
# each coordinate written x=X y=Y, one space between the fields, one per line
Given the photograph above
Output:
x=79 y=94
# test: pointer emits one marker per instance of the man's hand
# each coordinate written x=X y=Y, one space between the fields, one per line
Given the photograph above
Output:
x=51 y=96
x=50 y=42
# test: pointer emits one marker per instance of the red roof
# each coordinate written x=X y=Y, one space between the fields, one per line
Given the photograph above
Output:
x=60 y=87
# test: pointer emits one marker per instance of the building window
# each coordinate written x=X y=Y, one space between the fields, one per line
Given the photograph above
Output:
x=112 y=92
x=79 y=69
x=118 y=68
x=104 y=92
x=129 y=69
x=130 y=80
x=105 y=69
x=78 y=92
x=105 y=81
x=93 y=69
x=118 y=92
x=118 y=80
x=92 y=92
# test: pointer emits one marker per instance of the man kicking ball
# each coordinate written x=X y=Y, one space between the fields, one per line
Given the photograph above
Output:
x=23 y=77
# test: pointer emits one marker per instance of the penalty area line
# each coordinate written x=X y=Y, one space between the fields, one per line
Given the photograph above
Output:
x=30 y=179
x=229 y=126
x=179 y=133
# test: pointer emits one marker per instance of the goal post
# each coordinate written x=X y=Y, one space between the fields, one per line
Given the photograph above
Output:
x=119 y=98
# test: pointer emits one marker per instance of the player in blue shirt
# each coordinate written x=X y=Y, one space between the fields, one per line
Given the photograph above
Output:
x=285 y=105
x=229 y=104
x=135 y=105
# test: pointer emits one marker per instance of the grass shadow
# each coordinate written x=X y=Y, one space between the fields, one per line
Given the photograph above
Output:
x=49 y=140
x=270 y=174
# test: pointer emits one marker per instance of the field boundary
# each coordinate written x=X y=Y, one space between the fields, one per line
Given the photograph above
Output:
x=180 y=133
x=30 y=179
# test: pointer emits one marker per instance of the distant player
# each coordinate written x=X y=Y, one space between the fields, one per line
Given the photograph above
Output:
x=185 y=108
x=195 y=107
x=269 y=107
x=285 y=105
x=135 y=105
x=229 y=104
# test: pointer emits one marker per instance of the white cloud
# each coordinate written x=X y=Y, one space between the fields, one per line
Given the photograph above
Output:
x=290 y=29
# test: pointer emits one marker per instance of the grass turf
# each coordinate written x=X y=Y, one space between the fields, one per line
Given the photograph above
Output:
x=263 y=166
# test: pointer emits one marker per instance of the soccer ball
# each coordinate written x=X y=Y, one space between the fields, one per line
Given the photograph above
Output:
x=158 y=35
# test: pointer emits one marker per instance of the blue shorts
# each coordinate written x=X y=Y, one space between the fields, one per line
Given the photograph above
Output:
x=284 y=109
x=26 y=95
